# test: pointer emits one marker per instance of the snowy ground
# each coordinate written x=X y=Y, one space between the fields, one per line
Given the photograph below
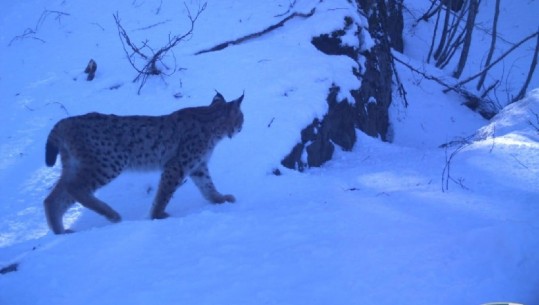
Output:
x=371 y=226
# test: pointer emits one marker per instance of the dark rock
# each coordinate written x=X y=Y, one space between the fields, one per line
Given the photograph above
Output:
x=331 y=44
x=339 y=121
x=319 y=152
x=293 y=159
x=90 y=69
x=369 y=109
x=9 y=268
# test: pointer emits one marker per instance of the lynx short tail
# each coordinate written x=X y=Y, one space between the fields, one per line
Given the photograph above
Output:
x=51 y=151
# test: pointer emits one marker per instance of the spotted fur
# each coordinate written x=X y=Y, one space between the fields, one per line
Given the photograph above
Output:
x=95 y=148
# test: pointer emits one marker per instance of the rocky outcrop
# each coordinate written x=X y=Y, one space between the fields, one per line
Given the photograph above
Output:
x=368 y=111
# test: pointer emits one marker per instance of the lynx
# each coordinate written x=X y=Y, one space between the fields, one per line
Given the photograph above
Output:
x=95 y=148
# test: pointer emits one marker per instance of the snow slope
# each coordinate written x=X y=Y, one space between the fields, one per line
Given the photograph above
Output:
x=371 y=226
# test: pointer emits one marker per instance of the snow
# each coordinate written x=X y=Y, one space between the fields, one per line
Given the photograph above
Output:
x=371 y=226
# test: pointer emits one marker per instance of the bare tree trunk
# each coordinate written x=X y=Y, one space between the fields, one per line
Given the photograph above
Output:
x=451 y=50
x=444 y=32
x=439 y=11
x=470 y=22
x=522 y=92
x=492 y=43
x=452 y=43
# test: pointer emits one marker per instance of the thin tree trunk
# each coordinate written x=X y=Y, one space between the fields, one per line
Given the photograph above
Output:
x=444 y=32
x=522 y=92
x=472 y=12
x=492 y=44
x=452 y=43
x=439 y=11
x=452 y=50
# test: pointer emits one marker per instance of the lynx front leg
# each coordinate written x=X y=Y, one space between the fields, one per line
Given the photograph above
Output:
x=171 y=178
x=201 y=177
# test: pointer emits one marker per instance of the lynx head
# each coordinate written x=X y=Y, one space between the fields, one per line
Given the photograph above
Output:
x=232 y=115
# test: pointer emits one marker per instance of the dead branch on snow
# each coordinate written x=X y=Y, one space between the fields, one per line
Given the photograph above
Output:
x=226 y=44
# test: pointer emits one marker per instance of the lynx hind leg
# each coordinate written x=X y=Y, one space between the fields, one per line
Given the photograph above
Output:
x=56 y=204
x=82 y=185
x=202 y=179
x=88 y=200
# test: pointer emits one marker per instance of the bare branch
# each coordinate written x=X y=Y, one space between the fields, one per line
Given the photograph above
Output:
x=150 y=67
x=226 y=44
x=431 y=11
x=424 y=74
x=459 y=84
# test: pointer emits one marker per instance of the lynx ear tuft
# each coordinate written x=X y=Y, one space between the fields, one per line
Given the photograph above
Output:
x=240 y=99
x=218 y=99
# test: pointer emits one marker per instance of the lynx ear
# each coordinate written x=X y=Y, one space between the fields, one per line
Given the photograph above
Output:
x=240 y=99
x=218 y=99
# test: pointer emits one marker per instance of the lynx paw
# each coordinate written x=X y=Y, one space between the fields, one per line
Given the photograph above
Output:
x=224 y=198
x=230 y=198
x=161 y=215
x=115 y=217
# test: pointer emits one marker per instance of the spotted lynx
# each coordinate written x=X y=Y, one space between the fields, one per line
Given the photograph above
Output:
x=95 y=148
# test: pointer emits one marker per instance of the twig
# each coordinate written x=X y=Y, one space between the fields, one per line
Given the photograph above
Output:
x=150 y=67
x=536 y=124
x=446 y=173
x=290 y=6
x=423 y=73
x=158 y=10
x=400 y=85
x=489 y=88
x=98 y=25
x=61 y=106
x=31 y=32
x=271 y=122
x=519 y=162
x=226 y=44
x=153 y=25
